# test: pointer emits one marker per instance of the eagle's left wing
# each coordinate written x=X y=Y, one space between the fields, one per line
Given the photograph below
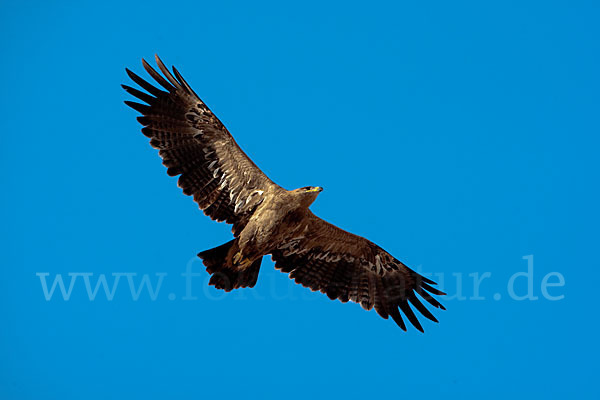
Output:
x=193 y=143
x=349 y=267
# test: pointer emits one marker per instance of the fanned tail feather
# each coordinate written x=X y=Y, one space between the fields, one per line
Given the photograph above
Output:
x=224 y=275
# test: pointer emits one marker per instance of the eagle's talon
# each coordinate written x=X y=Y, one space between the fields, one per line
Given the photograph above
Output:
x=246 y=263
x=241 y=260
x=237 y=257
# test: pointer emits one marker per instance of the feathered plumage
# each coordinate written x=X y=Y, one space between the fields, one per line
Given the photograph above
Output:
x=266 y=218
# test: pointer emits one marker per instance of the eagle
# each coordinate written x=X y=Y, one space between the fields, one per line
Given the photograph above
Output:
x=267 y=219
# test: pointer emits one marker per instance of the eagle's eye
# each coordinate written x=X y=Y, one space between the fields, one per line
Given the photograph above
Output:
x=306 y=188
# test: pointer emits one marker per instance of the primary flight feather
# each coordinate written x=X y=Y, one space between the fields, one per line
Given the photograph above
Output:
x=266 y=218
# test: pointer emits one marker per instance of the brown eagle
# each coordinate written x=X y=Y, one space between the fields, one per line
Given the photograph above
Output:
x=266 y=218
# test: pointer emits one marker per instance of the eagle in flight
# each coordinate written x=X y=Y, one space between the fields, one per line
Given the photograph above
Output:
x=266 y=218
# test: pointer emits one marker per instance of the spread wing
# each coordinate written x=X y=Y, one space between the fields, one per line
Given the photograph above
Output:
x=194 y=144
x=349 y=267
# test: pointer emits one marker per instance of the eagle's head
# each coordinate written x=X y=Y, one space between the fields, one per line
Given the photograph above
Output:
x=308 y=194
x=311 y=189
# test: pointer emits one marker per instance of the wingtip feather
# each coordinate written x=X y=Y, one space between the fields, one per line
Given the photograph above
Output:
x=411 y=315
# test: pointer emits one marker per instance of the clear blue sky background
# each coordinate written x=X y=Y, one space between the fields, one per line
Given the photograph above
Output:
x=460 y=136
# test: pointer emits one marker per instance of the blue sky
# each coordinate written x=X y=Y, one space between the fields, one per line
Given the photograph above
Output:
x=460 y=136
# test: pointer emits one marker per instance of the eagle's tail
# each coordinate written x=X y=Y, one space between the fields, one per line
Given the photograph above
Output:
x=224 y=275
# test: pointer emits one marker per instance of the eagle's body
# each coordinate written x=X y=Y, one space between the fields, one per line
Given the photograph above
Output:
x=266 y=218
x=281 y=216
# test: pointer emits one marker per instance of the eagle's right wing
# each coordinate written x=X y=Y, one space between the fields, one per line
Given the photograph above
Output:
x=193 y=143
x=349 y=267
